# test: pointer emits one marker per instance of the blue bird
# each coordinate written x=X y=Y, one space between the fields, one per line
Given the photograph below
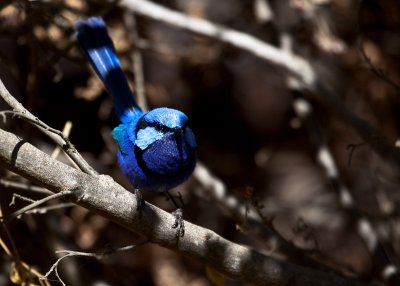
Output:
x=157 y=149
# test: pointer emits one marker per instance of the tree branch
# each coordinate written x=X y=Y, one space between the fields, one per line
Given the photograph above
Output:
x=103 y=195
x=296 y=65
x=71 y=151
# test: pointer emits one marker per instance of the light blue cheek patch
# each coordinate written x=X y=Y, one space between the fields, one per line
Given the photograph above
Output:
x=147 y=136
x=190 y=139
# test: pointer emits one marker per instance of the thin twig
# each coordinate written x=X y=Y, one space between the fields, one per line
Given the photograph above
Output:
x=25 y=272
x=14 y=251
x=65 y=132
x=252 y=220
x=72 y=152
x=44 y=210
x=70 y=253
x=364 y=227
x=378 y=72
x=34 y=205
x=22 y=198
x=352 y=148
x=24 y=187
x=43 y=126
x=137 y=59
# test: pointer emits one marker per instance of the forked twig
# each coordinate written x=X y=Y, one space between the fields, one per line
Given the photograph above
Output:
x=50 y=132
x=34 y=205
x=98 y=256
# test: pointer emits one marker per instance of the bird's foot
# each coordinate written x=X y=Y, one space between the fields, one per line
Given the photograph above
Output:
x=140 y=203
x=179 y=223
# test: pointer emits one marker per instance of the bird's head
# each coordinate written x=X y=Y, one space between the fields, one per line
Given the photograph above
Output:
x=165 y=148
x=155 y=124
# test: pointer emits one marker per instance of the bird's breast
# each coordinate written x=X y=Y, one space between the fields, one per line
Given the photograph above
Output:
x=167 y=155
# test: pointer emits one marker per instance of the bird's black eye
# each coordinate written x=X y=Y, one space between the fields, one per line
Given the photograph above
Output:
x=142 y=124
x=160 y=127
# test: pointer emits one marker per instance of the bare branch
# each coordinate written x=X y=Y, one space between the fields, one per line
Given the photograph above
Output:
x=69 y=253
x=296 y=65
x=44 y=210
x=18 y=107
x=25 y=187
x=36 y=122
x=137 y=59
x=102 y=195
x=34 y=205
x=22 y=198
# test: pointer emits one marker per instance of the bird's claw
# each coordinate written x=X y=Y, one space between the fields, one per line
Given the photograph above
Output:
x=179 y=223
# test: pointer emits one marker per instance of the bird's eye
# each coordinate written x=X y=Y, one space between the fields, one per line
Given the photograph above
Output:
x=161 y=127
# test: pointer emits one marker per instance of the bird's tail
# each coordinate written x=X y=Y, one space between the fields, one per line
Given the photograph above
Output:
x=98 y=47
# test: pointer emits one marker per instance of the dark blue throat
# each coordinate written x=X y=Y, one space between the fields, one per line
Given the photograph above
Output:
x=173 y=149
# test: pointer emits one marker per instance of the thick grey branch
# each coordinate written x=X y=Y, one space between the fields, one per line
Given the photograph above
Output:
x=103 y=195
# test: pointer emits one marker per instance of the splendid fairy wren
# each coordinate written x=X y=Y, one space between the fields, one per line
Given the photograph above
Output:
x=157 y=149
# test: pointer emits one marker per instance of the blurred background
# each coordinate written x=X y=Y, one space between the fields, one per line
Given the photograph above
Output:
x=241 y=109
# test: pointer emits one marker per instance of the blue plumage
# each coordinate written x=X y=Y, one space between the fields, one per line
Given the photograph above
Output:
x=97 y=45
x=156 y=148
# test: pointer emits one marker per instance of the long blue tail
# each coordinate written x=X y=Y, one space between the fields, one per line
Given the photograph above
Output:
x=96 y=43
